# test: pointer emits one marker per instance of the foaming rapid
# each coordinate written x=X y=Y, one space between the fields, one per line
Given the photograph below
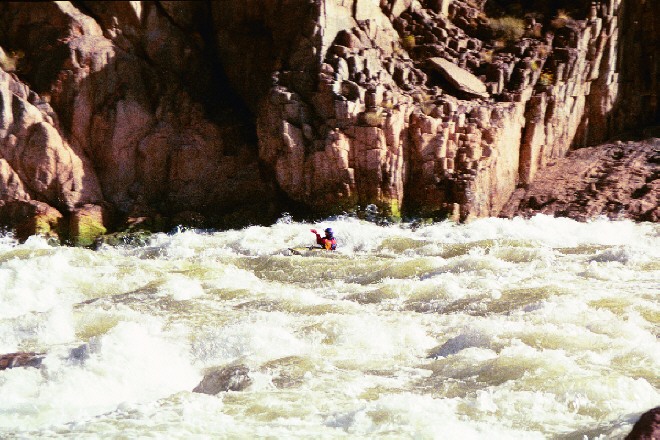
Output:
x=505 y=329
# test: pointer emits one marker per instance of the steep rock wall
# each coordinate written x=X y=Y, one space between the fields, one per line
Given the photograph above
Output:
x=381 y=127
x=133 y=96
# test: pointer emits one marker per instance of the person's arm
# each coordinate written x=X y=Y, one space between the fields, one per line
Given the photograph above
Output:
x=319 y=239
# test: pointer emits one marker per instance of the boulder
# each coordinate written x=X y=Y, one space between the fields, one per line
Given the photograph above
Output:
x=233 y=378
x=647 y=427
x=87 y=224
x=459 y=78
x=30 y=217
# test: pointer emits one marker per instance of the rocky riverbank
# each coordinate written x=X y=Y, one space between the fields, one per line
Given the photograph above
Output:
x=618 y=180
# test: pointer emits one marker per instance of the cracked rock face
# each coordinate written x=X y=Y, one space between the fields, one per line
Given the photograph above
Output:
x=230 y=112
x=443 y=123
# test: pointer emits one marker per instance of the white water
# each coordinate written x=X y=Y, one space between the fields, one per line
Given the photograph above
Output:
x=499 y=329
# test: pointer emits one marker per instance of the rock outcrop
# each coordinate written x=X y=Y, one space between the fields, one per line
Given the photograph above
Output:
x=382 y=127
x=119 y=114
x=620 y=180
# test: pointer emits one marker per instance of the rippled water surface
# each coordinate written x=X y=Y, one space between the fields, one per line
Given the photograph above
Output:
x=499 y=329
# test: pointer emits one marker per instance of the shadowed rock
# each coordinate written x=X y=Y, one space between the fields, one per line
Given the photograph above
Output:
x=617 y=180
x=80 y=354
x=226 y=379
x=647 y=427
x=30 y=217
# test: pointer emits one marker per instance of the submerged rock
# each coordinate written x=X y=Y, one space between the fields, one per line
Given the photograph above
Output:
x=226 y=379
x=131 y=239
x=288 y=372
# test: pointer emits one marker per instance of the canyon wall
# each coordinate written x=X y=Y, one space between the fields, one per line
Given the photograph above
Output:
x=117 y=115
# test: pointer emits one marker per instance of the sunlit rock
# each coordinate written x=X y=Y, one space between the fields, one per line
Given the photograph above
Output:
x=87 y=224
x=616 y=180
x=461 y=79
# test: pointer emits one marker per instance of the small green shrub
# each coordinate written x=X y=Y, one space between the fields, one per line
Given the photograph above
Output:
x=427 y=107
x=486 y=56
x=373 y=119
x=560 y=20
x=546 y=79
x=508 y=29
x=420 y=97
x=408 y=42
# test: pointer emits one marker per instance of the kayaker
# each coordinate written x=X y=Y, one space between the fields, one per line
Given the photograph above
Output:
x=329 y=242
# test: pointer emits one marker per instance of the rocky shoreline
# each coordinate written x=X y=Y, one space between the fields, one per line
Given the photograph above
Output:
x=619 y=180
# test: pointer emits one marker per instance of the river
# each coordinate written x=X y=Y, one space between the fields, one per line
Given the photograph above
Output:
x=498 y=329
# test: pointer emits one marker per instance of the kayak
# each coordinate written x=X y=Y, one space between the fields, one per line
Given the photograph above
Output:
x=313 y=251
x=306 y=250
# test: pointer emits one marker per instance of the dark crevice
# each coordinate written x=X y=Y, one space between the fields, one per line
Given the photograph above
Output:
x=221 y=102
x=539 y=8
x=641 y=192
x=169 y=18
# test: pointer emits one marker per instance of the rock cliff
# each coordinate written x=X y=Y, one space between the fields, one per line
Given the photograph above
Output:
x=119 y=115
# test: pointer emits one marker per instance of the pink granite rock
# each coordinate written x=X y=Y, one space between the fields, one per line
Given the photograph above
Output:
x=226 y=108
